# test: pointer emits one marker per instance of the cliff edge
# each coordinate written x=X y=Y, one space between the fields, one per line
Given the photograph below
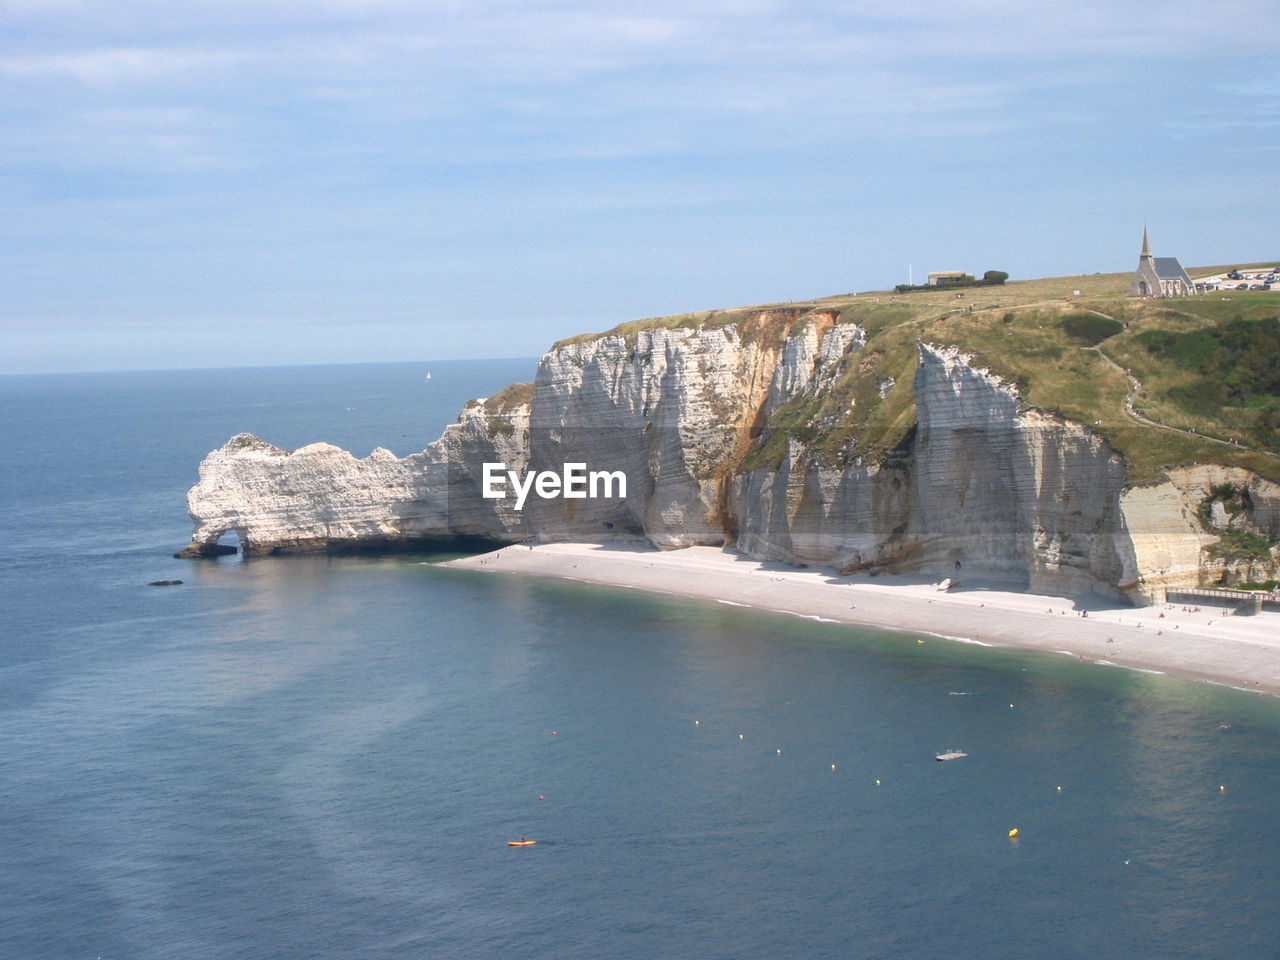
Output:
x=814 y=434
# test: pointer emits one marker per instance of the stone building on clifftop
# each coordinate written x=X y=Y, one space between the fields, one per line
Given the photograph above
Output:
x=1159 y=276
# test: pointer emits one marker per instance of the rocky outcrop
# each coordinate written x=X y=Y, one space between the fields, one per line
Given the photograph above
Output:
x=1181 y=533
x=984 y=487
x=320 y=498
x=672 y=410
x=990 y=489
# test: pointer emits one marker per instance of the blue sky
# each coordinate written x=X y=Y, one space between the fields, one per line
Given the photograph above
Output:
x=226 y=182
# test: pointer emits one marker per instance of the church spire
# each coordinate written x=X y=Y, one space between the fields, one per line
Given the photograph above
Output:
x=1146 y=245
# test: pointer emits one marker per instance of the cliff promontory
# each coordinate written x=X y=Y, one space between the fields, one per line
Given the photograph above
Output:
x=1028 y=440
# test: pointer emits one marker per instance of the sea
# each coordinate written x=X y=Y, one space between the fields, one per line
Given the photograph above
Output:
x=327 y=757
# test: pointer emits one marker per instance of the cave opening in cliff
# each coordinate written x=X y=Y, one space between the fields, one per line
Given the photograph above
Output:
x=227 y=543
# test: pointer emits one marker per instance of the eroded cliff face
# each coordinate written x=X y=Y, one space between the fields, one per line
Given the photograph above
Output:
x=321 y=498
x=1179 y=534
x=990 y=489
x=984 y=488
x=673 y=410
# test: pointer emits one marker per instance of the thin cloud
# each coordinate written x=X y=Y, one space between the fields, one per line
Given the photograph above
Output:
x=291 y=157
x=543 y=38
x=112 y=66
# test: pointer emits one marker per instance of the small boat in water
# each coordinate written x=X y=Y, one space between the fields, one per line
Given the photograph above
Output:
x=952 y=755
x=522 y=842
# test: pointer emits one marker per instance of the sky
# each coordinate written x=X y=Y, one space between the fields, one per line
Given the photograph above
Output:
x=213 y=183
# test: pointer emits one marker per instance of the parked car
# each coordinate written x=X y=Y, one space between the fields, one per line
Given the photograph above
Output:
x=1242 y=286
x=1261 y=286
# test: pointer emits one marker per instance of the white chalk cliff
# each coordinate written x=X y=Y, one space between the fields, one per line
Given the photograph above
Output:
x=984 y=487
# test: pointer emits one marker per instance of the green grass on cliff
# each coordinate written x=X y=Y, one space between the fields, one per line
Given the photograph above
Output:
x=1209 y=367
x=768 y=323
x=509 y=398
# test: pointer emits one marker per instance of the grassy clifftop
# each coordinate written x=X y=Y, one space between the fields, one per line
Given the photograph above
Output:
x=1165 y=381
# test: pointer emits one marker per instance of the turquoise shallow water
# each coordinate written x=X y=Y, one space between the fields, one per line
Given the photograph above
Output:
x=315 y=757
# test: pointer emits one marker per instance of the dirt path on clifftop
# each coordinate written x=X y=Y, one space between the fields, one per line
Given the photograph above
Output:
x=1135 y=388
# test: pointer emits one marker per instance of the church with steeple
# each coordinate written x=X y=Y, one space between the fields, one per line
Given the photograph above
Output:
x=1159 y=276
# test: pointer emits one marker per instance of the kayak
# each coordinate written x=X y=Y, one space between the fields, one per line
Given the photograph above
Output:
x=521 y=843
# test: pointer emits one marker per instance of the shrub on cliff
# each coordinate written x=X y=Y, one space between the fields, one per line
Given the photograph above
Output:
x=1089 y=328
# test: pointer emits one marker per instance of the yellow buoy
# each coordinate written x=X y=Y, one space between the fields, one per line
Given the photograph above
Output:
x=877 y=783
x=833 y=766
x=779 y=751
x=1059 y=789
x=1013 y=832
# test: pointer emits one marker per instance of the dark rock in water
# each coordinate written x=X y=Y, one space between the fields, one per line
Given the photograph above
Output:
x=164 y=583
x=195 y=550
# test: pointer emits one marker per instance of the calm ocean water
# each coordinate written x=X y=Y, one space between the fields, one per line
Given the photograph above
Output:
x=315 y=758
